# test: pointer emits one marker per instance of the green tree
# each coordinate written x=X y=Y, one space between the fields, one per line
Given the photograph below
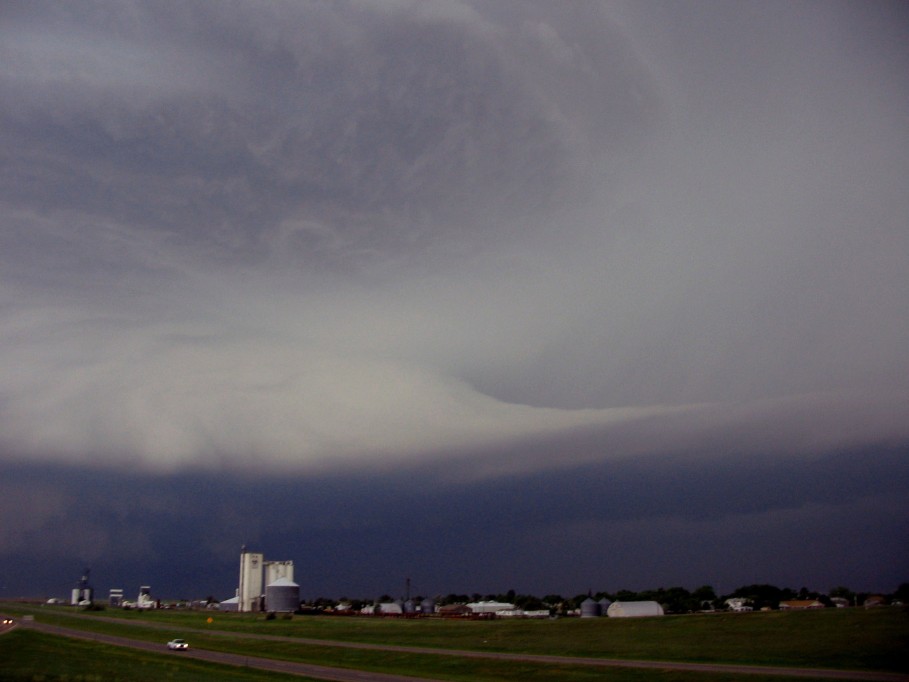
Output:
x=764 y=595
x=528 y=602
x=706 y=597
x=453 y=599
x=843 y=593
x=902 y=593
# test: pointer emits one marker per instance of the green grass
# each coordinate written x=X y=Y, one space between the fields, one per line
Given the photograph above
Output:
x=36 y=657
x=852 y=639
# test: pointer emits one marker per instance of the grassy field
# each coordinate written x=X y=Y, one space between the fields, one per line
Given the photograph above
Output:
x=834 y=638
x=36 y=657
x=29 y=656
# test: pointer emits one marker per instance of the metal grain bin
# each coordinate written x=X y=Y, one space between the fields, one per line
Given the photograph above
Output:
x=282 y=596
x=590 y=608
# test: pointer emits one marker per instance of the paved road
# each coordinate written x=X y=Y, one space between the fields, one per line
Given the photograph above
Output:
x=347 y=675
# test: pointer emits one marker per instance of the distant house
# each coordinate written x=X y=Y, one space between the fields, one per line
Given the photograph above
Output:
x=739 y=604
x=800 y=605
x=634 y=609
x=839 y=602
x=874 y=600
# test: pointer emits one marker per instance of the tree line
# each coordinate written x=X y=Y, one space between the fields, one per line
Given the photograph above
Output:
x=673 y=599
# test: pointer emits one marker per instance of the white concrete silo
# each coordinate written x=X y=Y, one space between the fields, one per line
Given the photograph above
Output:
x=251 y=580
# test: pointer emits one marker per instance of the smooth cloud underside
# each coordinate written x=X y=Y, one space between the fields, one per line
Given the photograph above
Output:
x=212 y=402
x=252 y=403
x=307 y=236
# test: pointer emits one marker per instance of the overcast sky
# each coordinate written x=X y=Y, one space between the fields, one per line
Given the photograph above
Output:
x=492 y=295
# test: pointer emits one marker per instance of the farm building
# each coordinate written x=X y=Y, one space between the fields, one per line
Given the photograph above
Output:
x=391 y=608
x=232 y=604
x=633 y=609
x=454 y=611
x=800 y=604
x=489 y=607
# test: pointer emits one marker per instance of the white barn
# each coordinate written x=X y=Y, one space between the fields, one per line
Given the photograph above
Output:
x=633 y=609
x=480 y=607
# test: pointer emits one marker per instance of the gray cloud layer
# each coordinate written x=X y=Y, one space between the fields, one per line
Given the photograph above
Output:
x=307 y=235
x=492 y=284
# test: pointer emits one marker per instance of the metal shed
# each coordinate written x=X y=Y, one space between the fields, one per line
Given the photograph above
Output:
x=232 y=604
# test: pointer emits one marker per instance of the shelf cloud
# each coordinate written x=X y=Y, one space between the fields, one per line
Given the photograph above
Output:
x=490 y=240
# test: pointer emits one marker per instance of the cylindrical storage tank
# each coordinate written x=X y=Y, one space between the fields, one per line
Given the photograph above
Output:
x=604 y=606
x=590 y=608
x=409 y=606
x=427 y=606
x=282 y=596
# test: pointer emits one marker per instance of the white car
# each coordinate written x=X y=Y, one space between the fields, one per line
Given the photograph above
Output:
x=178 y=645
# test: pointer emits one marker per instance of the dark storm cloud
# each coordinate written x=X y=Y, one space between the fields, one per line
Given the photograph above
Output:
x=605 y=526
x=490 y=245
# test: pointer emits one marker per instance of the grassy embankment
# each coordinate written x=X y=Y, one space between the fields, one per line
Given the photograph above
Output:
x=27 y=656
x=840 y=639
